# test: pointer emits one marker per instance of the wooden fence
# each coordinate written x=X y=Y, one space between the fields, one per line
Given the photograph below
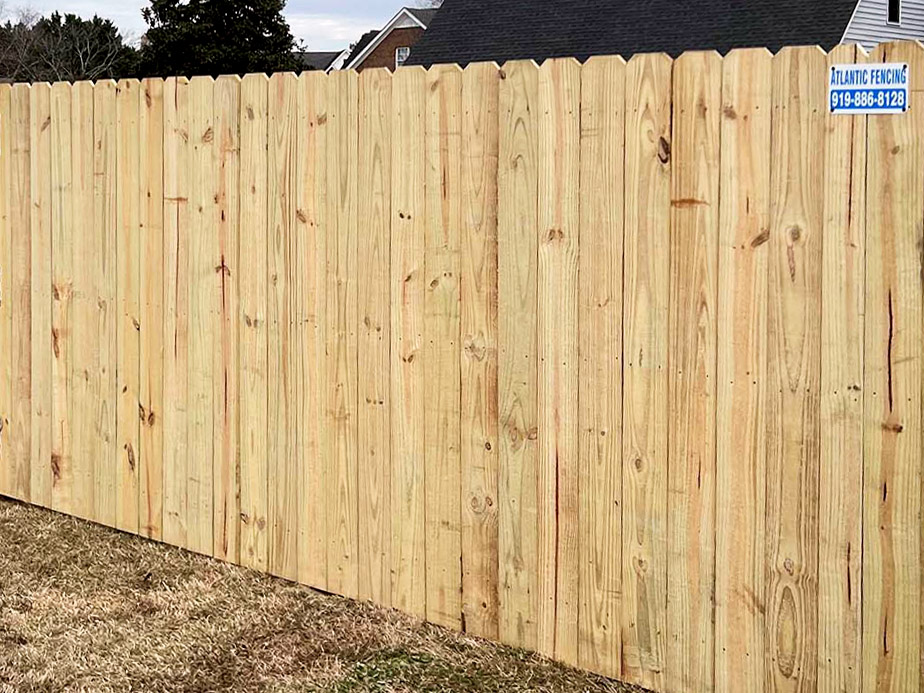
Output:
x=619 y=362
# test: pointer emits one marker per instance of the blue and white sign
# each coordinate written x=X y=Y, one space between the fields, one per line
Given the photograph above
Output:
x=868 y=89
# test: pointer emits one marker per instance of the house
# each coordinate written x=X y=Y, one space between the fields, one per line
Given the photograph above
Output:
x=482 y=30
x=318 y=60
x=391 y=46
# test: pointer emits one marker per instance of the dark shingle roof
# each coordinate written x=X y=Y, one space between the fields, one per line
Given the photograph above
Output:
x=360 y=45
x=317 y=60
x=423 y=16
x=466 y=31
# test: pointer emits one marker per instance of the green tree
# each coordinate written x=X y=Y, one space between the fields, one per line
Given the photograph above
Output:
x=213 y=37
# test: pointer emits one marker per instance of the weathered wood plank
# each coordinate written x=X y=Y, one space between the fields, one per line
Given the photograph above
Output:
x=744 y=229
x=697 y=97
x=374 y=337
x=840 y=481
x=151 y=352
x=312 y=212
x=408 y=213
x=19 y=424
x=226 y=476
x=252 y=283
x=341 y=328
x=63 y=226
x=645 y=381
x=7 y=162
x=105 y=273
x=177 y=221
x=441 y=356
x=480 y=94
x=794 y=368
x=518 y=374
x=558 y=236
x=892 y=389
x=83 y=340
x=603 y=119
x=282 y=415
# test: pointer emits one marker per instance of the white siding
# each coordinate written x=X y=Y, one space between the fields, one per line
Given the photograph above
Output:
x=870 y=24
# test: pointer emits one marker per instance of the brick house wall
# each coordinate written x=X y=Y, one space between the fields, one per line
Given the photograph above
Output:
x=384 y=53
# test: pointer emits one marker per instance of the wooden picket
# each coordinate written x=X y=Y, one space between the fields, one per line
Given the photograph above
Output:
x=620 y=362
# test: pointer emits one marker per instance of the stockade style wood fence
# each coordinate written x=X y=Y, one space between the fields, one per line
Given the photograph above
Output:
x=619 y=362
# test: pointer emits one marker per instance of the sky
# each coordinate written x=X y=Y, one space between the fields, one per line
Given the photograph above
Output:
x=324 y=25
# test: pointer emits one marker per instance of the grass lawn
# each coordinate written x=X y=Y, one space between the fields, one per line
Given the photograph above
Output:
x=84 y=608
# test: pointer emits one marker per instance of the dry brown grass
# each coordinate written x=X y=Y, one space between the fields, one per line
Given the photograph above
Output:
x=84 y=608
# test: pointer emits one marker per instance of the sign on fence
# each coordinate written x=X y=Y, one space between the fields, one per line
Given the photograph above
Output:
x=868 y=89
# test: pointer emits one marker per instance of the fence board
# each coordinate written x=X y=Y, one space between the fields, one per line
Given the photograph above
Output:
x=281 y=385
x=226 y=525
x=40 y=462
x=105 y=268
x=342 y=325
x=20 y=196
x=892 y=385
x=204 y=305
x=794 y=368
x=63 y=226
x=252 y=283
x=84 y=335
x=603 y=122
x=408 y=209
x=7 y=461
x=312 y=206
x=374 y=338
x=478 y=295
x=840 y=485
x=176 y=308
x=742 y=365
x=645 y=382
x=559 y=231
x=697 y=96
x=442 y=367
x=518 y=375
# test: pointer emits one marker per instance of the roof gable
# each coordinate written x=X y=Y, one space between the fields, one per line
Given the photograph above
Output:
x=478 y=30
x=406 y=17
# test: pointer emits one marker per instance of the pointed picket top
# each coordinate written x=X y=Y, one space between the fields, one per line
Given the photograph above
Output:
x=698 y=58
x=608 y=60
x=225 y=78
x=252 y=77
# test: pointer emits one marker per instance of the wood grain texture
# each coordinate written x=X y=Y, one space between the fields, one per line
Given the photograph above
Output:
x=794 y=368
x=7 y=460
x=892 y=389
x=226 y=476
x=204 y=326
x=342 y=324
x=441 y=355
x=176 y=308
x=603 y=120
x=479 y=425
x=128 y=292
x=840 y=484
x=252 y=325
x=63 y=226
x=311 y=216
x=697 y=97
x=374 y=338
x=282 y=416
x=408 y=239
x=645 y=378
x=151 y=352
x=83 y=340
x=18 y=433
x=744 y=228
x=40 y=340
x=105 y=275
x=518 y=358
x=559 y=159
